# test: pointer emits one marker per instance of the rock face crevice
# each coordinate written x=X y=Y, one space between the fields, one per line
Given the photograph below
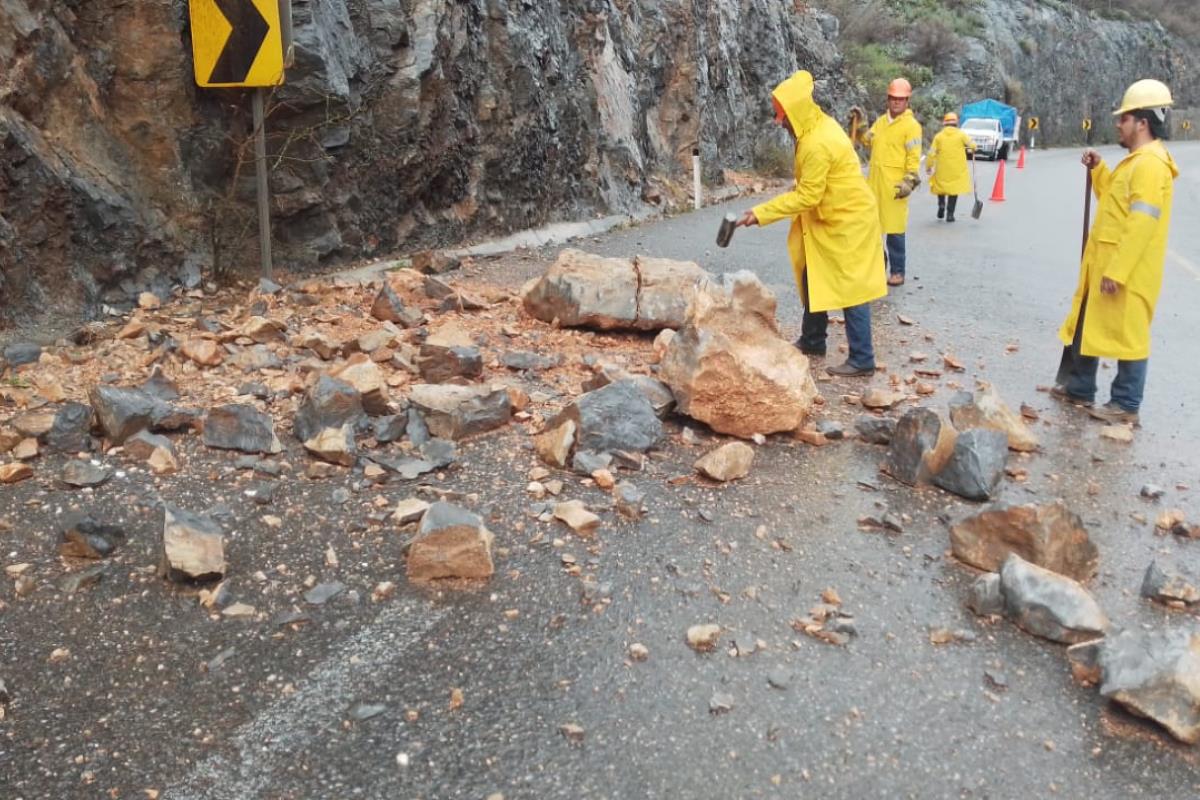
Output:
x=403 y=124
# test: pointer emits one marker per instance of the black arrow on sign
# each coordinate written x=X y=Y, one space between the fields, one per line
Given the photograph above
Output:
x=250 y=30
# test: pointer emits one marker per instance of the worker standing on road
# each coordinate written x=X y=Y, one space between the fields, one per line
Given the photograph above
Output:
x=947 y=163
x=834 y=241
x=895 y=144
x=1122 y=270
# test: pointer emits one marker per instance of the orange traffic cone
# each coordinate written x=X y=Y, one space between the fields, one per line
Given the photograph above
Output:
x=998 y=187
x=1021 y=158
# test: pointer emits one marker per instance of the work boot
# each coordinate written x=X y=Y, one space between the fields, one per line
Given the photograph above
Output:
x=1059 y=392
x=949 y=218
x=810 y=351
x=1114 y=415
x=941 y=211
x=848 y=370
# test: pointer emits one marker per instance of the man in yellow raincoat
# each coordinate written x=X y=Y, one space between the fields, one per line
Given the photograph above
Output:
x=1122 y=270
x=834 y=241
x=895 y=144
x=947 y=163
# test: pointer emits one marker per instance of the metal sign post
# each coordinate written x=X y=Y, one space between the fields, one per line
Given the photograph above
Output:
x=241 y=44
x=264 y=191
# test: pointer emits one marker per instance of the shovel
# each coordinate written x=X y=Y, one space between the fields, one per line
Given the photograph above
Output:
x=976 y=209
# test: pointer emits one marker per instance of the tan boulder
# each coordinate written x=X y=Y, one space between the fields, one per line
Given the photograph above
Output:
x=729 y=368
x=1047 y=535
x=204 y=352
x=335 y=445
x=369 y=379
x=554 y=446
x=12 y=473
x=451 y=542
x=988 y=410
x=727 y=463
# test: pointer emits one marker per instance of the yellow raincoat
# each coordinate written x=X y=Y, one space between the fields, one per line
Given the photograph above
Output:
x=835 y=230
x=947 y=160
x=1128 y=245
x=895 y=151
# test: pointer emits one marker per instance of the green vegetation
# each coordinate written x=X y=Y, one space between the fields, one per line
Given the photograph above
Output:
x=1178 y=16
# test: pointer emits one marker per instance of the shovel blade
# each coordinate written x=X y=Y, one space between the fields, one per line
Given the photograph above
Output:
x=977 y=209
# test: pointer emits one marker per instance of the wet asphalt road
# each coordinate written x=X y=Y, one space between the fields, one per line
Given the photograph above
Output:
x=891 y=715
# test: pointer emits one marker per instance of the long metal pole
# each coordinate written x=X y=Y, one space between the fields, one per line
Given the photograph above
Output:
x=264 y=197
x=1087 y=211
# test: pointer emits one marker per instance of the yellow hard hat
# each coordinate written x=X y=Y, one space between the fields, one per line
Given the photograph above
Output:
x=899 y=88
x=1146 y=93
x=950 y=119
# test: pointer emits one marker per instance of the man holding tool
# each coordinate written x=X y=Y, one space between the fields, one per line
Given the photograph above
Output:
x=1122 y=269
x=895 y=144
x=834 y=241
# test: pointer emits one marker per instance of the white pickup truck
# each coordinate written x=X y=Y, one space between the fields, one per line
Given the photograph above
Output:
x=988 y=137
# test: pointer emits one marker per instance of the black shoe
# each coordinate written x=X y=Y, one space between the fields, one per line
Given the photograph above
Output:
x=941 y=212
x=848 y=370
x=950 y=218
x=809 y=351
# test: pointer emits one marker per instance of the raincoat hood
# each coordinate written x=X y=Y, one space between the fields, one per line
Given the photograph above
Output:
x=1159 y=151
x=795 y=97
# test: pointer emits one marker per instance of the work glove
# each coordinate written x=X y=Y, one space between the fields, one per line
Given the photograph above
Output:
x=856 y=112
x=907 y=184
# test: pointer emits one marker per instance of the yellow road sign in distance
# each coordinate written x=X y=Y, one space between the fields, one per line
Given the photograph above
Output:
x=1186 y=124
x=236 y=43
x=1033 y=123
x=1087 y=123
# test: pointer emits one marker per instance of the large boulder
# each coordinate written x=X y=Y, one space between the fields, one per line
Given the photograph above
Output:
x=193 y=547
x=585 y=290
x=1156 y=674
x=451 y=542
x=329 y=403
x=987 y=410
x=976 y=464
x=615 y=417
x=240 y=427
x=922 y=444
x=369 y=379
x=1048 y=604
x=123 y=412
x=728 y=366
x=455 y=412
x=1048 y=535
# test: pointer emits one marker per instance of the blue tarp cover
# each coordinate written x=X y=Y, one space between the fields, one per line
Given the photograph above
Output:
x=991 y=109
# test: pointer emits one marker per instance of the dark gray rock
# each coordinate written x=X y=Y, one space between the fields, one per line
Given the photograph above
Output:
x=123 y=412
x=921 y=444
x=779 y=678
x=82 y=474
x=524 y=361
x=361 y=712
x=439 y=452
x=18 y=354
x=585 y=462
x=436 y=288
x=257 y=390
x=71 y=432
x=1049 y=605
x=240 y=427
x=875 y=429
x=389 y=308
x=985 y=597
x=1170 y=588
x=438 y=364
x=629 y=500
x=1156 y=674
x=416 y=430
x=1152 y=492
x=455 y=412
x=329 y=403
x=143 y=444
x=87 y=538
x=720 y=703
x=977 y=464
x=833 y=431
x=659 y=395
x=160 y=386
x=323 y=593
x=407 y=467
x=72 y=583
x=390 y=428
x=616 y=417
x=263 y=493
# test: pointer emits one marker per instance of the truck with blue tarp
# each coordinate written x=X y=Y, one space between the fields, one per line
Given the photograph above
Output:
x=993 y=126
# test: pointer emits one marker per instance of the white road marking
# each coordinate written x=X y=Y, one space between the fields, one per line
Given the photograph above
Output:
x=1191 y=266
x=320 y=703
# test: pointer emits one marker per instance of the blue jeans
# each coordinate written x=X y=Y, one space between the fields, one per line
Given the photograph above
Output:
x=1077 y=374
x=814 y=327
x=895 y=253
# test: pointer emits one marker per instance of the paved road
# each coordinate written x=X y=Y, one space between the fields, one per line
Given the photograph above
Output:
x=891 y=715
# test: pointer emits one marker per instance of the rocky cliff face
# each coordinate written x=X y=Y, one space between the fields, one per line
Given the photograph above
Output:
x=1060 y=63
x=403 y=123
